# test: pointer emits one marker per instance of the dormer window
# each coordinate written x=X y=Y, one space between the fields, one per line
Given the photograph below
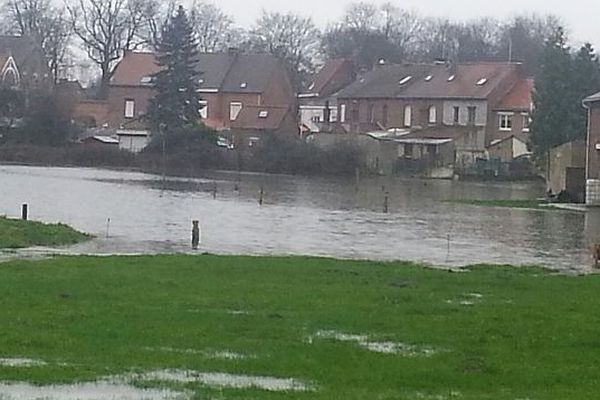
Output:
x=263 y=114
x=428 y=78
x=201 y=81
x=146 y=79
x=405 y=80
x=482 y=81
x=243 y=85
x=312 y=86
x=451 y=78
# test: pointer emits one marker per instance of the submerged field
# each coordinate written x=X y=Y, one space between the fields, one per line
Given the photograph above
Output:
x=16 y=233
x=211 y=327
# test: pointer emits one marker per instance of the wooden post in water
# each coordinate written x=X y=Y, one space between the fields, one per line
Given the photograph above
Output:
x=195 y=234
x=262 y=196
x=386 y=200
x=24 y=212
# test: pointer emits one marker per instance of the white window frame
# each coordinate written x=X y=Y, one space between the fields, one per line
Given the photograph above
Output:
x=505 y=121
x=456 y=115
x=203 y=111
x=129 y=108
x=235 y=107
x=432 y=115
x=526 y=122
x=343 y=113
x=407 y=116
x=472 y=121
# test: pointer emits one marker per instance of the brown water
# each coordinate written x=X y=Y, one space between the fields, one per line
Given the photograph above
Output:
x=307 y=216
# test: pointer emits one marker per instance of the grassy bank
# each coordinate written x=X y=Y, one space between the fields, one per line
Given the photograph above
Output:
x=350 y=330
x=18 y=234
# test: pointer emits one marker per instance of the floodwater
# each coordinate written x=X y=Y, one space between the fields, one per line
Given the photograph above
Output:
x=133 y=213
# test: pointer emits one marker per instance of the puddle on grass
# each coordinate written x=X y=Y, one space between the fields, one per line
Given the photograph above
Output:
x=225 y=380
x=365 y=342
x=214 y=354
x=21 y=362
x=85 y=391
x=467 y=299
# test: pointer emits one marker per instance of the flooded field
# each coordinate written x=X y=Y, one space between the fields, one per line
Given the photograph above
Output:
x=134 y=213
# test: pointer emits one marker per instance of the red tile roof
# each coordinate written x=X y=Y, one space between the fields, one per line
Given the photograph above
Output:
x=133 y=68
x=250 y=117
x=520 y=97
x=327 y=77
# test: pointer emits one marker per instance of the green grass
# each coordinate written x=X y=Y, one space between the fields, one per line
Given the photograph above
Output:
x=524 y=204
x=531 y=335
x=16 y=234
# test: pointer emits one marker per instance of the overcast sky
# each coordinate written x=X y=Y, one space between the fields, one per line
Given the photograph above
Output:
x=580 y=16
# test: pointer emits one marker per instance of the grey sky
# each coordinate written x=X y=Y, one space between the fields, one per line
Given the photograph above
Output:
x=581 y=16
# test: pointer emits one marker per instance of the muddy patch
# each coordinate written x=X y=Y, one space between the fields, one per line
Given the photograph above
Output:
x=384 y=347
x=21 y=362
x=85 y=391
x=225 y=380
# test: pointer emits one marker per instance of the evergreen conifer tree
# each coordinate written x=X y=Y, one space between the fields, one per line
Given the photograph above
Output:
x=176 y=104
x=555 y=97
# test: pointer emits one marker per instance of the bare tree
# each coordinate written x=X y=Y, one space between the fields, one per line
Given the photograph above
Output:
x=46 y=24
x=402 y=28
x=362 y=17
x=108 y=28
x=290 y=37
x=214 y=29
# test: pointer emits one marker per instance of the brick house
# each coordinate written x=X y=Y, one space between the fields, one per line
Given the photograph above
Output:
x=592 y=169
x=318 y=102
x=231 y=86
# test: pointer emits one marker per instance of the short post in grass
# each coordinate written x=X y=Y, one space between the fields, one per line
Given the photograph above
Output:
x=195 y=234
x=24 y=212
x=261 y=197
x=214 y=191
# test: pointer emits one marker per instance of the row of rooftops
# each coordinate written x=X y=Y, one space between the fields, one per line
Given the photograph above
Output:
x=218 y=72
x=476 y=81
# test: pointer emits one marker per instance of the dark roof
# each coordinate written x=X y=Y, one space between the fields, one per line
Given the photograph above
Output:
x=27 y=54
x=520 y=96
x=431 y=81
x=384 y=81
x=460 y=81
x=250 y=117
x=253 y=70
x=227 y=72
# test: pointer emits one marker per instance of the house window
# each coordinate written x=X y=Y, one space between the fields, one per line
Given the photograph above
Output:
x=407 y=116
x=234 y=110
x=432 y=115
x=472 y=115
x=408 y=150
x=526 y=122
x=506 y=121
x=129 y=108
x=456 y=118
x=343 y=113
x=354 y=114
x=316 y=118
x=203 y=111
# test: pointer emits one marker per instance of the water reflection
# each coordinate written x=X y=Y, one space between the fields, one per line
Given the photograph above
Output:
x=315 y=216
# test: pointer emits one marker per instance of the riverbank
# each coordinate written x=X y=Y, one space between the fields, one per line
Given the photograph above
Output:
x=295 y=328
x=15 y=234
